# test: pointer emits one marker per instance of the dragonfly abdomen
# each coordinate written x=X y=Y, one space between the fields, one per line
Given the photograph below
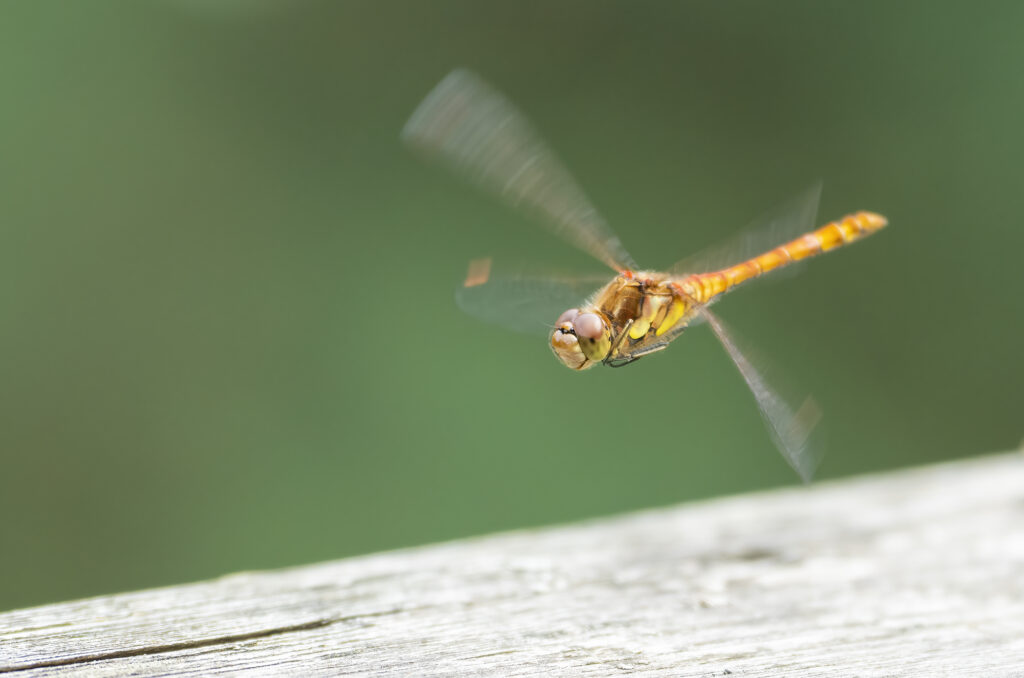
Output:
x=705 y=286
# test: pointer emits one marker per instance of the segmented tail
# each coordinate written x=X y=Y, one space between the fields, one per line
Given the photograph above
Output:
x=703 y=287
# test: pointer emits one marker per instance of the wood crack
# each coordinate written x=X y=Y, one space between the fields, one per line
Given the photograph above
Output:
x=174 y=647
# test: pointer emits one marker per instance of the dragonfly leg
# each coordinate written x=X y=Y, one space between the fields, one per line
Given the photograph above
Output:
x=618 y=340
x=632 y=357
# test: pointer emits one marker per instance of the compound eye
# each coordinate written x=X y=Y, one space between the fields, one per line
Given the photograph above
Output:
x=567 y=317
x=589 y=325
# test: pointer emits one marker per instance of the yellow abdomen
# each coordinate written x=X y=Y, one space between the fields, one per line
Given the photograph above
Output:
x=705 y=286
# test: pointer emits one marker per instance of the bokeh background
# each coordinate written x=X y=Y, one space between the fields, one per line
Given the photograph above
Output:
x=227 y=331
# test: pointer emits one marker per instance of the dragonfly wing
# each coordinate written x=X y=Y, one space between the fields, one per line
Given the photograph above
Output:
x=475 y=129
x=523 y=303
x=778 y=226
x=791 y=431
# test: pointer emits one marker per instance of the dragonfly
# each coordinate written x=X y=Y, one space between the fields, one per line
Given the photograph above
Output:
x=470 y=126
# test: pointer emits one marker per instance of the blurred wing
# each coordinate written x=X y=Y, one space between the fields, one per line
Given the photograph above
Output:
x=475 y=129
x=521 y=303
x=782 y=224
x=790 y=430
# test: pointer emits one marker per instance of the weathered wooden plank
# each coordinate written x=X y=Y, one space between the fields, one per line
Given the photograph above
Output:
x=919 y=572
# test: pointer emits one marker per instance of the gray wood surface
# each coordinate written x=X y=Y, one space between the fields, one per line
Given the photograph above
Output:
x=913 y=573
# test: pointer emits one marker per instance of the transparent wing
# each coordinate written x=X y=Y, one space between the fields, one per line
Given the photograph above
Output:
x=475 y=129
x=780 y=225
x=791 y=431
x=521 y=302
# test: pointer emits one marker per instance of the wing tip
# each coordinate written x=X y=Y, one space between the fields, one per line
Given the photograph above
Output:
x=478 y=273
x=805 y=423
x=415 y=127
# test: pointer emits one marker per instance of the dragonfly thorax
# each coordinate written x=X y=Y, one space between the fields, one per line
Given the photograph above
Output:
x=581 y=339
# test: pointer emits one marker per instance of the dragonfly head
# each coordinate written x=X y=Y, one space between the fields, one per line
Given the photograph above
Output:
x=581 y=340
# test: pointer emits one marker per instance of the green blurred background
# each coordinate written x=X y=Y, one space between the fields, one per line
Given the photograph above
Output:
x=228 y=336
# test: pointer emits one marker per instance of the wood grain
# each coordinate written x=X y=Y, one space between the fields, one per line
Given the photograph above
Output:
x=913 y=573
